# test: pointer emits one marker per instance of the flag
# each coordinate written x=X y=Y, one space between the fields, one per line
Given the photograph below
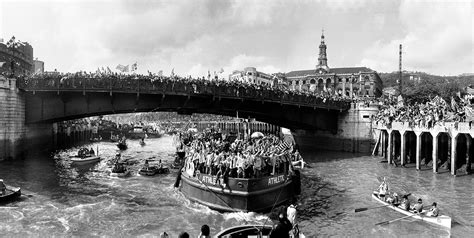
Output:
x=108 y=70
x=400 y=100
x=134 y=67
x=160 y=73
x=439 y=101
x=221 y=71
x=103 y=70
x=172 y=72
x=125 y=69
x=454 y=105
x=469 y=113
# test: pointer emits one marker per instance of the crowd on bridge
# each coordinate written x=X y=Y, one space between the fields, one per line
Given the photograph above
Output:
x=434 y=112
x=208 y=152
x=194 y=85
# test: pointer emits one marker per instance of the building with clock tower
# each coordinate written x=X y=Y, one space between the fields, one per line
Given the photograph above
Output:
x=351 y=82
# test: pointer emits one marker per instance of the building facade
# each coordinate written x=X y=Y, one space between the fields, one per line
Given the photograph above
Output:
x=251 y=75
x=349 y=81
x=16 y=57
x=38 y=66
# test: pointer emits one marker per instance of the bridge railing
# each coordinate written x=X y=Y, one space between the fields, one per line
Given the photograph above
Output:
x=178 y=87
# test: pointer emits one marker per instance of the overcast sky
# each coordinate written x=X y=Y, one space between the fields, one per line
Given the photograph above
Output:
x=195 y=36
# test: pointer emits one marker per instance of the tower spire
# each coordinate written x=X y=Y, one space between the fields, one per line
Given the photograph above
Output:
x=322 y=58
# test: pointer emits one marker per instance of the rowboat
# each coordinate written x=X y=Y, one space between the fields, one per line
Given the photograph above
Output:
x=85 y=160
x=10 y=194
x=441 y=220
x=246 y=231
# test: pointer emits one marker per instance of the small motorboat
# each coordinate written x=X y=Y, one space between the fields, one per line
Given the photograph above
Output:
x=11 y=193
x=150 y=170
x=120 y=171
x=246 y=231
x=85 y=160
x=122 y=145
x=85 y=156
x=441 y=220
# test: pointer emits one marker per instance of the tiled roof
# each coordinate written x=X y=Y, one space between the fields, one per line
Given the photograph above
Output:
x=348 y=70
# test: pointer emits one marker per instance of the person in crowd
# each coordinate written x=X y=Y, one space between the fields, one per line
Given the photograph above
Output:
x=394 y=199
x=3 y=188
x=205 y=232
x=418 y=207
x=146 y=165
x=282 y=229
x=434 y=210
x=91 y=152
x=383 y=189
x=183 y=235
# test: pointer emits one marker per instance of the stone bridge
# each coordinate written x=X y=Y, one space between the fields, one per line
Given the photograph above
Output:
x=54 y=98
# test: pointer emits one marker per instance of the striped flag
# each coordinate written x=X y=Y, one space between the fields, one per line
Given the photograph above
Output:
x=284 y=145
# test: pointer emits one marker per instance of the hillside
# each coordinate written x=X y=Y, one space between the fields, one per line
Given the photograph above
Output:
x=422 y=86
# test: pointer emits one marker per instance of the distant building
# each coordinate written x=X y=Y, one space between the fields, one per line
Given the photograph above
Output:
x=251 y=75
x=16 y=57
x=38 y=66
x=349 y=82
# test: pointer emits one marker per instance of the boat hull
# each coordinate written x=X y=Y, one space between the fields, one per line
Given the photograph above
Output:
x=120 y=175
x=245 y=231
x=257 y=195
x=153 y=171
x=87 y=160
x=11 y=194
x=441 y=220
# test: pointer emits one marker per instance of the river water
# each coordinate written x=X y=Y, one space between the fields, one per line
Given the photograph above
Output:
x=66 y=200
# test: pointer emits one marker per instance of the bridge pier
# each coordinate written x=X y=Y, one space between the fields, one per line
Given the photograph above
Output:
x=451 y=145
x=354 y=133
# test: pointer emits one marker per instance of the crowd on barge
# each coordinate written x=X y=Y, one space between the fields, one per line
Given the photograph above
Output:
x=209 y=153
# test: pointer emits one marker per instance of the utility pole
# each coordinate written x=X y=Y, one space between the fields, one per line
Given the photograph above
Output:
x=400 y=82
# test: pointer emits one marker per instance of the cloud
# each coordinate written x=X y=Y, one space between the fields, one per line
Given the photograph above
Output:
x=437 y=39
x=272 y=35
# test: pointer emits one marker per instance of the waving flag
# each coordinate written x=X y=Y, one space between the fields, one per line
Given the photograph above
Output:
x=160 y=73
x=134 y=67
x=469 y=113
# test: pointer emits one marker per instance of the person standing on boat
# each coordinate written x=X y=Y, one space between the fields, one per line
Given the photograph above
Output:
x=3 y=188
x=383 y=189
x=434 y=210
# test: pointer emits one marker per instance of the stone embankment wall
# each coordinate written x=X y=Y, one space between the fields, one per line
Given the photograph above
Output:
x=16 y=138
x=12 y=119
x=355 y=132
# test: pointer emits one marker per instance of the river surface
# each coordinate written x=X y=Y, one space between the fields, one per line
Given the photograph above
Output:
x=66 y=200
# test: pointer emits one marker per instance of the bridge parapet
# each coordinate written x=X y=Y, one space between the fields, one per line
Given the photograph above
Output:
x=190 y=87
